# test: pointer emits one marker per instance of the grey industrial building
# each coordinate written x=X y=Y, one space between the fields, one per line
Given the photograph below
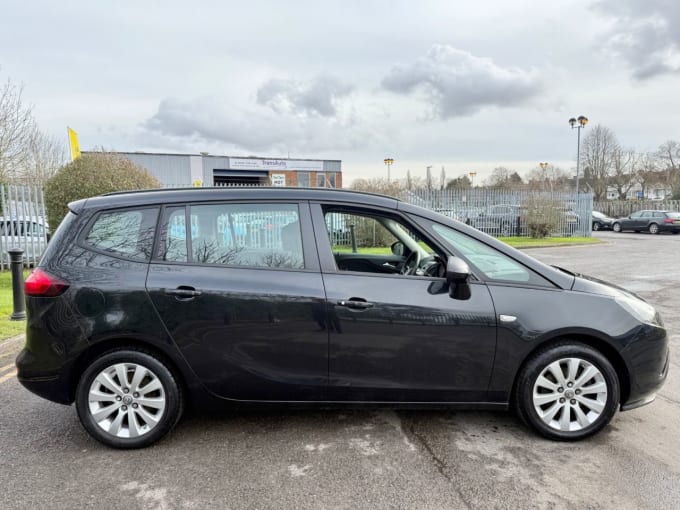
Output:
x=208 y=170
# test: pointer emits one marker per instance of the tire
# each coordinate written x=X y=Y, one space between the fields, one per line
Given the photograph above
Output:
x=653 y=228
x=572 y=416
x=596 y=226
x=139 y=419
x=616 y=227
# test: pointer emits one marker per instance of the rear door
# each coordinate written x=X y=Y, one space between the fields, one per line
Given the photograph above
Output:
x=241 y=294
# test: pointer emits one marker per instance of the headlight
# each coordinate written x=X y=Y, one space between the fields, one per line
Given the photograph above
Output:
x=644 y=312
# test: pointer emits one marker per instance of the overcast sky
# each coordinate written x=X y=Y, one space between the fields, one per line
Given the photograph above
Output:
x=464 y=85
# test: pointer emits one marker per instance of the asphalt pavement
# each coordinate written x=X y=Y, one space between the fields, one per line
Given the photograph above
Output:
x=366 y=459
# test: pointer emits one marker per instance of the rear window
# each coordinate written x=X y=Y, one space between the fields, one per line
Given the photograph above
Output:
x=674 y=215
x=128 y=233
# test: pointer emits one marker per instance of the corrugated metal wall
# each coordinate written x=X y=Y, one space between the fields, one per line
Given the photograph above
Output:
x=170 y=169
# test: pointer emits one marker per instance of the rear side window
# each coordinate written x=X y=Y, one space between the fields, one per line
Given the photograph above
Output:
x=127 y=233
x=250 y=235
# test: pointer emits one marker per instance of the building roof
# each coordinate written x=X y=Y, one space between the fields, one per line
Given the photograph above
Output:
x=206 y=155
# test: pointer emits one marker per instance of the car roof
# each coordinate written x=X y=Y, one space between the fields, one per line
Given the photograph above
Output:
x=178 y=195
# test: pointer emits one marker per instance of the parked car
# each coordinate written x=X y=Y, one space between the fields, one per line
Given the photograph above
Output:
x=653 y=222
x=144 y=302
x=499 y=220
x=601 y=221
x=28 y=233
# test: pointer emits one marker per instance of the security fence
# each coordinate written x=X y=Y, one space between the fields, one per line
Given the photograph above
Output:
x=501 y=212
x=23 y=222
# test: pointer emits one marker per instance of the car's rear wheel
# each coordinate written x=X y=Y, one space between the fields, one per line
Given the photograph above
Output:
x=567 y=392
x=653 y=228
x=128 y=399
x=616 y=227
x=596 y=226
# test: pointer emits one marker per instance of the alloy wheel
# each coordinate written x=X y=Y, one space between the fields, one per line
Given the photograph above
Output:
x=654 y=228
x=570 y=394
x=126 y=400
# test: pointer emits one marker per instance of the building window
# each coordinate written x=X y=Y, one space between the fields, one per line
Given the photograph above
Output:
x=320 y=180
x=331 y=180
x=303 y=179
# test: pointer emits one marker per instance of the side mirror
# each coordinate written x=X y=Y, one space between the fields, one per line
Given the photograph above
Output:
x=397 y=248
x=457 y=276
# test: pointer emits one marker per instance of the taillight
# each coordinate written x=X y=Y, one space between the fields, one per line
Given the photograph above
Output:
x=668 y=220
x=42 y=284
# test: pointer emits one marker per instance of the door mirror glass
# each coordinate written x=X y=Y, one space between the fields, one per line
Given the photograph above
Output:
x=397 y=248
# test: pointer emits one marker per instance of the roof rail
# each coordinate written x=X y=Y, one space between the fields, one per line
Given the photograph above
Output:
x=195 y=188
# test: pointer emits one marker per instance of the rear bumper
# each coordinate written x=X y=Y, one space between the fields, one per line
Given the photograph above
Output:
x=51 y=385
x=669 y=228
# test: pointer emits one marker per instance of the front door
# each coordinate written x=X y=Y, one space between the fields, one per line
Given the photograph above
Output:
x=395 y=333
x=241 y=294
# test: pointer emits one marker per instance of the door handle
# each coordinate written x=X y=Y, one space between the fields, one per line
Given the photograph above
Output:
x=356 y=304
x=183 y=292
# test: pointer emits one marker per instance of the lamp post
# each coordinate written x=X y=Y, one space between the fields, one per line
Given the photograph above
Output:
x=472 y=178
x=579 y=124
x=388 y=163
x=544 y=167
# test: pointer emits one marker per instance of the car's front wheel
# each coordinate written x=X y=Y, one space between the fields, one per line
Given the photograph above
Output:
x=128 y=399
x=567 y=392
x=616 y=227
x=653 y=228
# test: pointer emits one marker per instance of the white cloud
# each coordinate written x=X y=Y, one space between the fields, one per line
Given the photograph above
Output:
x=316 y=97
x=644 y=35
x=458 y=83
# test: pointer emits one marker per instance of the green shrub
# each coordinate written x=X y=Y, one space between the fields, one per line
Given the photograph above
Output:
x=542 y=216
x=93 y=174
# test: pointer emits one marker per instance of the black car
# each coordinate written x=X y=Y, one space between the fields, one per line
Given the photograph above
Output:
x=653 y=222
x=145 y=302
x=499 y=220
x=601 y=221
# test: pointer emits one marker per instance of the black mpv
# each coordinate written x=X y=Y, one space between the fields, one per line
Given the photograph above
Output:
x=146 y=301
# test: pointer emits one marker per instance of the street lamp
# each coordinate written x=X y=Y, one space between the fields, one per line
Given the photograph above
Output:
x=388 y=162
x=544 y=167
x=472 y=178
x=578 y=124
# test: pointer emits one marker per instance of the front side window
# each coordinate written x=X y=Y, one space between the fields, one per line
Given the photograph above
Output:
x=374 y=243
x=128 y=233
x=636 y=215
x=489 y=261
x=250 y=235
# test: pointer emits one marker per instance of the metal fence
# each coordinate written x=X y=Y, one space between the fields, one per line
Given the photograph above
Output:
x=23 y=222
x=621 y=208
x=502 y=212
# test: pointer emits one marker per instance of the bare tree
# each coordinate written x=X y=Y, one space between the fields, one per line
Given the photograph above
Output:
x=597 y=153
x=27 y=155
x=503 y=177
x=624 y=170
x=647 y=173
x=17 y=127
x=668 y=156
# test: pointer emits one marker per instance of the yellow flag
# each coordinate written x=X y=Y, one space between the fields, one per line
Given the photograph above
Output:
x=73 y=142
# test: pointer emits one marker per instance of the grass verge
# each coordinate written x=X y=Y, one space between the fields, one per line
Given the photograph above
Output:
x=8 y=328
x=528 y=242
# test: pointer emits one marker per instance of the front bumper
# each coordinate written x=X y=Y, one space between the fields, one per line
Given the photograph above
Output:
x=646 y=385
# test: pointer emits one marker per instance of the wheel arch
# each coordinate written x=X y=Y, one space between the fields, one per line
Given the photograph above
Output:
x=600 y=345
x=95 y=350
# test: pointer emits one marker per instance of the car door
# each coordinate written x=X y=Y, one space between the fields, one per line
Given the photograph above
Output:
x=635 y=221
x=398 y=338
x=239 y=289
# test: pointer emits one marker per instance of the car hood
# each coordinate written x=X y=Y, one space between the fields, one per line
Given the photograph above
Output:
x=592 y=285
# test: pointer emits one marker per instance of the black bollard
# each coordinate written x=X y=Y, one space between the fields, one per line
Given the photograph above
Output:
x=16 y=256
